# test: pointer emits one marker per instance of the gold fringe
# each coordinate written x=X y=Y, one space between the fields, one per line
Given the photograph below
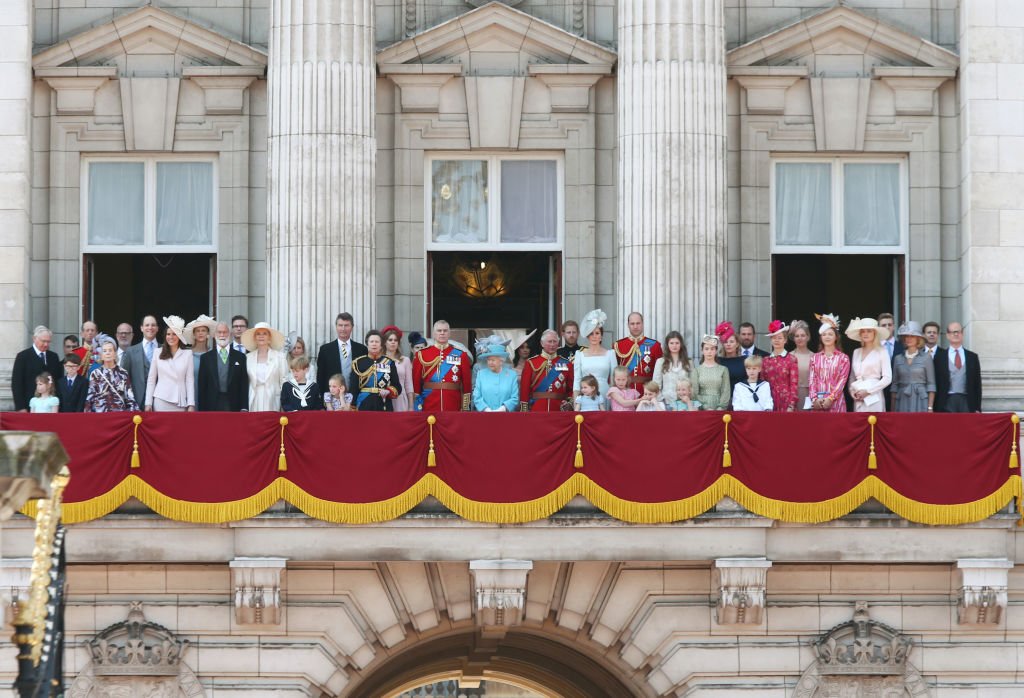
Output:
x=578 y=460
x=136 y=420
x=431 y=457
x=282 y=461
x=726 y=456
x=872 y=459
x=1014 y=460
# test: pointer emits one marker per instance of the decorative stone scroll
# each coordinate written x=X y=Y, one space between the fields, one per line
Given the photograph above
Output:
x=257 y=585
x=982 y=594
x=500 y=587
x=741 y=590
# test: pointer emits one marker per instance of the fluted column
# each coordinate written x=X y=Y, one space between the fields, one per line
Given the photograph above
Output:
x=321 y=165
x=672 y=165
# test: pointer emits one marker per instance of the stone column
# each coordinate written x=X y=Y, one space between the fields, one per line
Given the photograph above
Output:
x=672 y=165
x=992 y=208
x=321 y=166
x=15 y=186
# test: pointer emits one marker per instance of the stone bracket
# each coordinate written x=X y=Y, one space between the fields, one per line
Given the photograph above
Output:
x=742 y=585
x=223 y=86
x=913 y=87
x=500 y=591
x=257 y=585
x=420 y=84
x=15 y=579
x=982 y=593
x=569 y=84
x=76 y=87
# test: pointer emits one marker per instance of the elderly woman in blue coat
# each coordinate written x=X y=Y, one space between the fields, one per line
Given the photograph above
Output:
x=495 y=388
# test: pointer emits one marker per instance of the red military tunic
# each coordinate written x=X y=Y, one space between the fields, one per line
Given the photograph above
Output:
x=546 y=383
x=85 y=354
x=442 y=379
x=638 y=354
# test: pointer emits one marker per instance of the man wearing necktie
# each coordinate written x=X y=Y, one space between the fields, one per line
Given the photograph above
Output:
x=957 y=374
x=72 y=388
x=138 y=357
x=29 y=363
x=223 y=382
x=239 y=324
x=337 y=356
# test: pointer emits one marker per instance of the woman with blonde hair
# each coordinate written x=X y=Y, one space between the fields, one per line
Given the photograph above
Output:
x=870 y=370
x=913 y=373
x=266 y=365
x=800 y=335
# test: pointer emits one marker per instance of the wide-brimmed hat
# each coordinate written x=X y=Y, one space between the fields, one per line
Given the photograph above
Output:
x=868 y=323
x=517 y=341
x=492 y=346
x=591 y=321
x=177 y=326
x=201 y=321
x=910 y=329
x=249 y=337
x=776 y=327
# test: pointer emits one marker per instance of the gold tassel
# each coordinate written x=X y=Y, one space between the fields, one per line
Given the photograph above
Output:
x=1014 y=459
x=282 y=461
x=872 y=459
x=431 y=457
x=578 y=461
x=726 y=456
x=136 y=420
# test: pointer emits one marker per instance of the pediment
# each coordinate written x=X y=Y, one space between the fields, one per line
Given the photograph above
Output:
x=496 y=39
x=841 y=42
x=148 y=41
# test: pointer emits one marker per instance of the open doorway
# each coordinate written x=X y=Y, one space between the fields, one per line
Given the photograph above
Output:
x=125 y=287
x=847 y=285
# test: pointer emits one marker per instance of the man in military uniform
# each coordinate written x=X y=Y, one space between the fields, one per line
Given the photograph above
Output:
x=637 y=352
x=570 y=340
x=546 y=383
x=442 y=375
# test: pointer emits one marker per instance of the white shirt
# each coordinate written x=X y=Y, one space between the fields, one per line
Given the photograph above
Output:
x=238 y=346
x=743 y=397
x=952 y=353
x=931 y=350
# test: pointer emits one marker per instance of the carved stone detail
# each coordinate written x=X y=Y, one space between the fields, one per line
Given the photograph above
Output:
x=741 y=590
x=982 y=594
x=257 y=585
x=500 y=587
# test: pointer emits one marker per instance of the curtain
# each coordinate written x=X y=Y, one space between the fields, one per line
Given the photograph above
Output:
x=116 y=203
x=803 y=203
x=871 y=204
x=184 y=203
x=458 y=201
x=529 y=201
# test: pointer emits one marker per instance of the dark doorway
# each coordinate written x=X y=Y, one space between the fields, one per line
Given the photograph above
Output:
x=496 y=290
x=124 y=287
x=843 y=284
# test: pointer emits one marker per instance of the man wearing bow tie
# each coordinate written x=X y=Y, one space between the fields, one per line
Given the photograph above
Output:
x=29 y=363
x=223 y=379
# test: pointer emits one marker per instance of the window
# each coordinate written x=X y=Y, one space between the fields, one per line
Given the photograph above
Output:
x=146 y=203
x=494 y=202
x=838 y=205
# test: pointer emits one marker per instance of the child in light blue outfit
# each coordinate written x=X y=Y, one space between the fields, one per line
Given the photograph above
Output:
x=45 y=399
x=684 y=401
x=589 y=399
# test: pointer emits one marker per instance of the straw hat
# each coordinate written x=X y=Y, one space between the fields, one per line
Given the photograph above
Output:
x=868 y=323
x=249 y=337
x=910 y=328
x=176 y=325
x=201 y=321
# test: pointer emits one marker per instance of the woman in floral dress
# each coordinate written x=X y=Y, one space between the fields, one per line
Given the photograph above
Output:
x=830 y=368
x=110 y=389
x=780 y=369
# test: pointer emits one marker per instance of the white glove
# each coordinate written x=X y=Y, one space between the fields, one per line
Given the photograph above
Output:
x=501 y=409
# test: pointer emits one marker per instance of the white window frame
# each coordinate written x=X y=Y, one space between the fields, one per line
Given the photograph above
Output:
x=494 y=161
x=149 y=244
x=839 y=245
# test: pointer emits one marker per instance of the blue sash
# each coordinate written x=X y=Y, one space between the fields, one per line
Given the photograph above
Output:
x=545 y=383
x=634 y=360
x=377 y=373
x=442 y=370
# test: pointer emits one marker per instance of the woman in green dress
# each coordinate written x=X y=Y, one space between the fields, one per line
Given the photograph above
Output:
x=711 y=379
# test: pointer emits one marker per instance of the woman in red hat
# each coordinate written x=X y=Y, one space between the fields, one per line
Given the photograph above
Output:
x=781 y=369
x=393 y=350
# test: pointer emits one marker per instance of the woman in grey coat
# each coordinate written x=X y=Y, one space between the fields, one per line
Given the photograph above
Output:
x=913 y=374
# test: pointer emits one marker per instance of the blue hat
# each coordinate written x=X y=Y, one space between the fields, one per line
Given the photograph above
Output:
x=492 y=346
x=416 y=338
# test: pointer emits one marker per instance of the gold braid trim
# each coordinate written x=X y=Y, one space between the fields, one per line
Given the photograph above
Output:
x=429 y=366
x=635 y=349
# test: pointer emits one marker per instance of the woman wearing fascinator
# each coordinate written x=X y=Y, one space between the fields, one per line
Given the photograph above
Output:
x=171 y=385
x=732 y=356
x=830 y=368
x=710 y=379
x=593 y=359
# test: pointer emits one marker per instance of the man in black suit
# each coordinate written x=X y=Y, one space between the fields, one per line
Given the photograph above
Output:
x=29 y=363
x=336 y=357
x=957 y=375
x=223 y=378
x=748 y=337
x=72 y=387
x=138 y=357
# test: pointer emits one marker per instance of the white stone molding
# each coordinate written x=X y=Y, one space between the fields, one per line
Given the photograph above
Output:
x=840 y=108
x=500 y=591
x=914 y=89
x=321 y=166
x=257 y=589
x=420 y=83
x=982 y=594
x=76 y=86
x=145 y=102
x=672 y=196
x=766 y=86
x=495 y=110
x=569 y=84
x=741 y=590
x=15 y=575
x=223 y=86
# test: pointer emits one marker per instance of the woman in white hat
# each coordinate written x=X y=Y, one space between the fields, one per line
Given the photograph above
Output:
x=830 y=368
x=593 y=360
x=171 y=383
x=495 y=388
x=197 y=333
x=870 y=370
x=913 y=373
x=266 y=365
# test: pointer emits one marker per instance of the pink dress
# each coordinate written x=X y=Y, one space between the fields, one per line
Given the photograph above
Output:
x=627 y=394
x=870 y=371
x=403 y=403
x=783 y=375
x=828 y=377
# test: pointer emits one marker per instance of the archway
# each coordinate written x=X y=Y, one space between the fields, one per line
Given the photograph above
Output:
x=521 y=658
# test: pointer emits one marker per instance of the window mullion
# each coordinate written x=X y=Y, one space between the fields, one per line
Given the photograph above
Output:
x=837 y=205
x=494 y=201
